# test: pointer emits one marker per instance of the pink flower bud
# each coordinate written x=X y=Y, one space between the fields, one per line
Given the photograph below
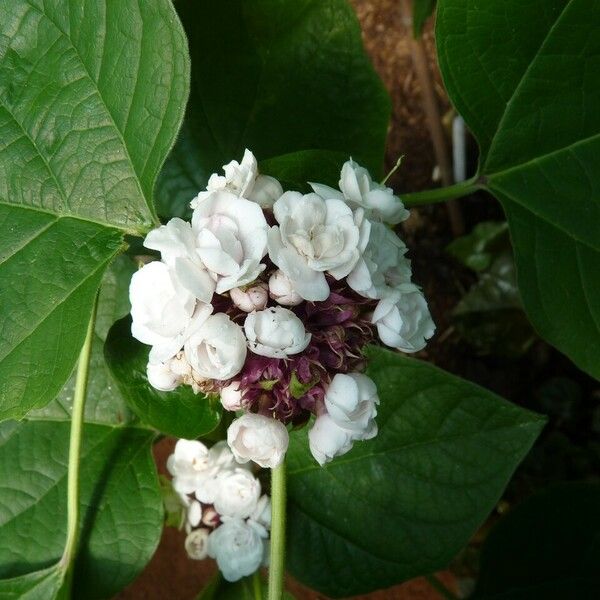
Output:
x=254 y=298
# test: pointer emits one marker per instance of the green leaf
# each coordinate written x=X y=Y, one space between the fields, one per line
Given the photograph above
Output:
x=477 y=249
x=532 y=105
x=276 y=77
x=422 y=10
x=444 y=453
x=180 y=413
x=555 y=535
x=45 y=584
x=121 y=509
x=88 y=111
x=104 y=403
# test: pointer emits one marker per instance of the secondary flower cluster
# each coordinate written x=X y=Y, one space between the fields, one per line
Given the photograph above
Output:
x=268 y=299
x=226 y=517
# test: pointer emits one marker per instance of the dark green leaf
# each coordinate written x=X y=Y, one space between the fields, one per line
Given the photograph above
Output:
x=180 y=413
x=532 y=105
x=91 y=97
x=490 y=315
x=477 y=249
x=275 y=77
x=406 y=502
x=121 y=509
x=546 y=548
x=422 y=10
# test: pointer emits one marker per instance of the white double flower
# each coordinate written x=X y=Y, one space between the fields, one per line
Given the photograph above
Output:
x=315 y=236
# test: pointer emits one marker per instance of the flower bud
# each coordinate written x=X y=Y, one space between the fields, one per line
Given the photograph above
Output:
x=196 y=544
x=275 y=333
x=210 y=517
x=161 y=377
x=258 y=438
x=327 y=439
x=231 y=396
x=254 y=298
x=282 y=290
x=194 y=513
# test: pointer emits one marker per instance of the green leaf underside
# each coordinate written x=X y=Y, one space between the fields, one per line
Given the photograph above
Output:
x=532 y=104
x=444 y=453
x=282 y=77
x=91 y=96
x=121 y=515
x=557 y=535
x=180 y=413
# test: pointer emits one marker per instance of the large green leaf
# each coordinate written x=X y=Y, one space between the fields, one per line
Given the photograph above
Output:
x=45 y=584
x=556 y=536
x=121 y=509
x=89 y=108
x=532 y=105
x=276 y=77
x=180 y=413
x=406 y=502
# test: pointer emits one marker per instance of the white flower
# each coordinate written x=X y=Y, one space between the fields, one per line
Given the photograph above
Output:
x=163 y=313
x=189 y=465
x=231 y=396
x=314 y=237
x=238 y=493
x=218 y=348
x=220 y=456
x=258 y=438
x=161 y=377
x=403 y=320
x=176 y=243
x=231 y=239
x=237 y=548
x=327 y=439
x=358 y=189
x=382 y=265
x=282 y=290
x=275 y=332
x=254 y=298
x=261 y=515
x=243 y=180
x=196 y=544
x=351 y=402
x=194 y=514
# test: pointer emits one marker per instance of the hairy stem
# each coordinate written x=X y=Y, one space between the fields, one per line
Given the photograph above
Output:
x=443 y=194
x=278 y=504
x=83 y=364
x=440 y=588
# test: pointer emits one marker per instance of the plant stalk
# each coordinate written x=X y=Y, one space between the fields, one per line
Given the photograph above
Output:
x=69 y=553
x=277 y=558
x=464 y=188
x=440 y=588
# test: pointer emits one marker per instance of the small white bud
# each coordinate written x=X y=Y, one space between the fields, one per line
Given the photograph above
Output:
x=231 y=396
x=254 y=298
x=282 y=290
x=196 y=544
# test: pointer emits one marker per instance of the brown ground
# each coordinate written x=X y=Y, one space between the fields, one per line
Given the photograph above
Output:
x=170 y=574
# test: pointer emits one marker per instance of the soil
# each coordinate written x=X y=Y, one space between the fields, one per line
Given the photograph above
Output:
x=171 y=574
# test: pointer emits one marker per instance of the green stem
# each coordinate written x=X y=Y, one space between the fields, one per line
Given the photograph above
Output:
x=257 y=586
x=277 y=558
x=83 y=364
x=464 y=188
x=439 y=587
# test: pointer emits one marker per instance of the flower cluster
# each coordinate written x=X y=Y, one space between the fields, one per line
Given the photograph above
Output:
x=268 y=298
x=226 y=517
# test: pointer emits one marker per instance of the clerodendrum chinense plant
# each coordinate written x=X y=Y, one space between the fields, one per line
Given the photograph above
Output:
x=92 y=101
